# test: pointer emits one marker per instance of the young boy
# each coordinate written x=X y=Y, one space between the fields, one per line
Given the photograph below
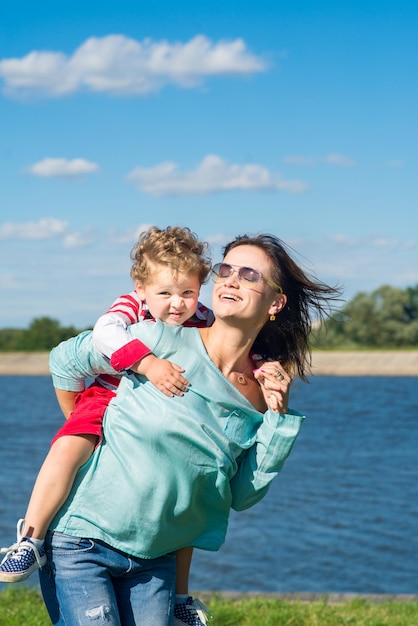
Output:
x=169 y=267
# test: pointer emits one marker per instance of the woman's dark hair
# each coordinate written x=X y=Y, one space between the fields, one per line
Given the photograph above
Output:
x=308 y=303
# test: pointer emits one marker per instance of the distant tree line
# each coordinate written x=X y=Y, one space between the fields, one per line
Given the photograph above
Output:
x=42 y=335
x=385 y=318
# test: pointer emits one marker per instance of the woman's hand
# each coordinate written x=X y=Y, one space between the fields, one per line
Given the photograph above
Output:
x=275 y=384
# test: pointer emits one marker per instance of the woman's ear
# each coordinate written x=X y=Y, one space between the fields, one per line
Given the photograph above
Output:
x=278 y=304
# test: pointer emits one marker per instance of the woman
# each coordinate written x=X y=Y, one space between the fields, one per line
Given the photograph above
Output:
x=170 y=469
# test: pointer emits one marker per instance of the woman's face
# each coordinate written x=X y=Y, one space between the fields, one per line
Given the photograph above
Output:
x=233 y=296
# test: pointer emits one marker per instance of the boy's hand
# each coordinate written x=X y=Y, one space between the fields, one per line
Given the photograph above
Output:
x=164 y=375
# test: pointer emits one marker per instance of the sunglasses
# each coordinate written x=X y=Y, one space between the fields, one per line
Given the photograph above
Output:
x=246 y=275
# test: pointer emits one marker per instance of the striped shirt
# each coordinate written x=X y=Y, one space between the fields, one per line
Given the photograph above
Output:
x=112 y=340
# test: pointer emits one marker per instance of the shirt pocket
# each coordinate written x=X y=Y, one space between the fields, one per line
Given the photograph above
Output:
x=240 y=429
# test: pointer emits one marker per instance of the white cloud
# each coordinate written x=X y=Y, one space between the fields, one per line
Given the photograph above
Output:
x=52 y=168
x=211 y=175
x=359 y=263
x=330 y=159
x=219 y=239
x=119 y=65
x=384 y=242
x=128 y=236
x=371 y=241
x=339 y=159
x=80 y=239
x=47 y=228
x=345 y=240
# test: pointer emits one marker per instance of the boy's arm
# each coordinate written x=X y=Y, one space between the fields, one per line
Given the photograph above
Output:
x=164 y=374
x=111 y=337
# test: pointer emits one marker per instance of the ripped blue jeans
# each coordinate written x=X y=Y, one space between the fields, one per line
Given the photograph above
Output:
x=87 y=583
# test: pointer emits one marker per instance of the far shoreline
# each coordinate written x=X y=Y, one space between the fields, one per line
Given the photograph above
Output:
x=324 y=363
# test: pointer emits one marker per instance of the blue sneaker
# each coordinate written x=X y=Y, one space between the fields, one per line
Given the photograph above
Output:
x=22 y=558
x=191 y=613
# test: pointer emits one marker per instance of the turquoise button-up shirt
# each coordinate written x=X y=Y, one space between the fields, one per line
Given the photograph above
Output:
x=169 y=469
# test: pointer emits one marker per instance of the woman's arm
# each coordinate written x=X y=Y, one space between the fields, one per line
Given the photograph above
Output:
x=74 y=360
x=259 y=465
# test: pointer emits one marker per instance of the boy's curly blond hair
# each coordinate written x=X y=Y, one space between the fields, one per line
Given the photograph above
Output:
x=174 y=247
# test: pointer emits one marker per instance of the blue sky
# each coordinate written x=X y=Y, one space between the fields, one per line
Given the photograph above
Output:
x=295 y=118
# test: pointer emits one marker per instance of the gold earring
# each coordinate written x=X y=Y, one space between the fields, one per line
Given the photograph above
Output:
x=272 y=318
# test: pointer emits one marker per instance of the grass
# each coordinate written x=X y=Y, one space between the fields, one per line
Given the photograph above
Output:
x=277 y=612
x=24 y=607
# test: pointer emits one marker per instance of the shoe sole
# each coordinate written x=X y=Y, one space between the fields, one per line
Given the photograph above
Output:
x=16 y=577
x=178 y=622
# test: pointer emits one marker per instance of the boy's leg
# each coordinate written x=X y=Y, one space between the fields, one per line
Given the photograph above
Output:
x=184 y=560
x=71 y=447
x=187 y=611
x=51 y=489
x=55 y=479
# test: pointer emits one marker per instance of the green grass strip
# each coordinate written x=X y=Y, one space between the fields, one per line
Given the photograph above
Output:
x=24 y=607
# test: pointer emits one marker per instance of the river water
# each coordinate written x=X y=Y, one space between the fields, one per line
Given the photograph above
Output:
x=341 y=518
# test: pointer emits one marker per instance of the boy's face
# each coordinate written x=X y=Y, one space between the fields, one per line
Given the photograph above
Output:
x=171 y=298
